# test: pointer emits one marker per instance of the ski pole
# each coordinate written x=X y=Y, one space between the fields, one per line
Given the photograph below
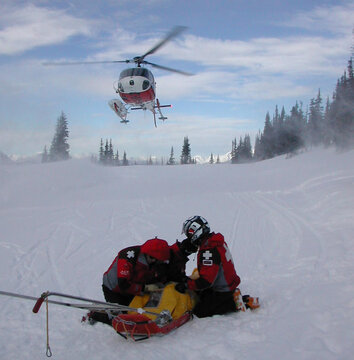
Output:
x=79 y=306
x=106 y=305
x=45 y=295
x=95 y=304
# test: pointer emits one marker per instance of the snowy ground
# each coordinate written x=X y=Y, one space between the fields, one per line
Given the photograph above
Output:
x=288 y=222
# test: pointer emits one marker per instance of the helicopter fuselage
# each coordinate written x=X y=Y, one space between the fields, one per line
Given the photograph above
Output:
x=136 y=86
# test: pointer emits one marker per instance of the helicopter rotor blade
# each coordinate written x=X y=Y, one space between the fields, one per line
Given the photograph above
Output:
x=85 y=62
x=173 y=33
x=167 y=68
x=138 y=60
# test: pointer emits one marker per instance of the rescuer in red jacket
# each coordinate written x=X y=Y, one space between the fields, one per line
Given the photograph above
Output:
x=134 y=270
x=217 y=280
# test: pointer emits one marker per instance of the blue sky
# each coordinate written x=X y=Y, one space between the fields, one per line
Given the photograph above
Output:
x=247 y=57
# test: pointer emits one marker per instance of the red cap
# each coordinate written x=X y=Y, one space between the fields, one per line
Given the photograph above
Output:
x=157 y=249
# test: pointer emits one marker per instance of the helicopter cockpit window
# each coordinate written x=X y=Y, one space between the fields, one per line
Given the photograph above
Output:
x=144 y=72
x=126 y=73
x=146 y=84
x=137 y=72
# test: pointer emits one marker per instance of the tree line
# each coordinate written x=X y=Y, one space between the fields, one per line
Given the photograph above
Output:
x=107 y=156
x=322 y=123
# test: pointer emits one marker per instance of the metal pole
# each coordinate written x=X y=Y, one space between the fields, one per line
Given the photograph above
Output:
x=95 y=304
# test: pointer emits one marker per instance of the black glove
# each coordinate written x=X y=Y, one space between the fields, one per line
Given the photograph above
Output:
x=181 y=287
x=187 y=247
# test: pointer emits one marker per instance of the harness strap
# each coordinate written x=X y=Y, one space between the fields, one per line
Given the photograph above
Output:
x=49 y=351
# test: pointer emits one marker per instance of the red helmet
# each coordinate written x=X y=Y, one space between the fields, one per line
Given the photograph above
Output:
x=157 y=249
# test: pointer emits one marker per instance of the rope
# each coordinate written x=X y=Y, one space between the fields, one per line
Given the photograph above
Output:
x=48 y=352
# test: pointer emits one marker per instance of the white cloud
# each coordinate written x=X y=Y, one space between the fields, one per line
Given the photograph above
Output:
x=229 y=86
x=288 y=55
x=336 y=19
x=34 y=140
x=235 y=69
x=24 y=28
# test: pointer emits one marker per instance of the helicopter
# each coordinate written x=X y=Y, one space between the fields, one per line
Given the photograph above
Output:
x=136 y=86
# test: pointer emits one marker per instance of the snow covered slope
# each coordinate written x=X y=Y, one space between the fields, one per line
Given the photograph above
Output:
x=288 y=222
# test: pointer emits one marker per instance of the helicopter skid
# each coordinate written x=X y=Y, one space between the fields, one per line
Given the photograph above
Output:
x=119 y=108
x=158 y=106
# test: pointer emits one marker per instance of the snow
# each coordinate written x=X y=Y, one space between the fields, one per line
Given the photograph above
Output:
x=289 y=224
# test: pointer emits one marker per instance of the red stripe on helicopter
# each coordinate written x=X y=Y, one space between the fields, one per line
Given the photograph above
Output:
x=138 y=98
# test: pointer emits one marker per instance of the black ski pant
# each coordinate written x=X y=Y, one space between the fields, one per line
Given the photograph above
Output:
x=113 y=297
x=214 y=303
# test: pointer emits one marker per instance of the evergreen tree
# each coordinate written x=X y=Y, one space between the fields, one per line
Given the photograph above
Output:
x=342 y=110
x=268 y=138
x=328 y=133
x=59 y=149
x=116 y=159
x=101 y=152
x=258 y=151
x=247 y=149
x=211 y=159
x=45 y=155
x=110 y=153
x=244 y=150
x=125 y=160
x=279 y=147
x=171 y=160
x=293 y=130
x=106 y=153
x=239 y=150
x=218 y=159
x=234 y=152
x=186 y=152
x=315 y=121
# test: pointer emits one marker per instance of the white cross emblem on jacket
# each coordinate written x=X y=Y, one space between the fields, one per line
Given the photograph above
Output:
x=207 y=255
x=130 y=254
x=207 y=258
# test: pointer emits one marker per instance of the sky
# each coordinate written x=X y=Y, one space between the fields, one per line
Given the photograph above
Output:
x=247 y=57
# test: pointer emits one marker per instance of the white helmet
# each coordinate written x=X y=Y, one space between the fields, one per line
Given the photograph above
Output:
x=195 y=228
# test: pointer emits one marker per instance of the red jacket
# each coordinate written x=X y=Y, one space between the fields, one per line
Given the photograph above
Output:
x=130 y=271
x=215 y=266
